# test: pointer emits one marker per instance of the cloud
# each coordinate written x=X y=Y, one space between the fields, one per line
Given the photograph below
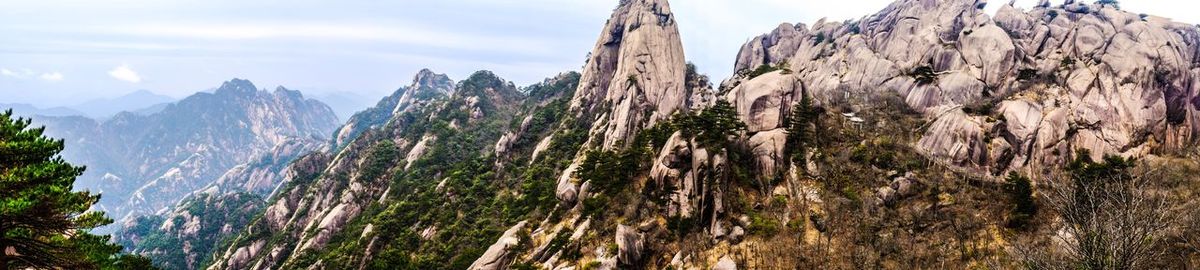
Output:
x=19 y=74
x=51 y=76
x=405 y=33
x=124 y=73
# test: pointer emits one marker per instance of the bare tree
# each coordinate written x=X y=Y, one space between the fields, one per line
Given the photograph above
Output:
x=1111 y=218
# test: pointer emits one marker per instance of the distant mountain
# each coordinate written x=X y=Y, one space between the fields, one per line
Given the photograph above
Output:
x=22 y=109
x=146 y=163
x=141 y=102
x=212 y=214
x=132 y=102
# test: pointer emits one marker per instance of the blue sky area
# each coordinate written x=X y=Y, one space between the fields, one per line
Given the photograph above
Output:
x=62 y=52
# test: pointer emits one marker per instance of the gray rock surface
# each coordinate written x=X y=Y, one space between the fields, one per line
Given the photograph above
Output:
x=630 y=245
x=1079 y=76
x=497 y=255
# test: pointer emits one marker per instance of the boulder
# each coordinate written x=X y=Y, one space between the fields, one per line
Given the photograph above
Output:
x=725 y=263
x=768 y=150
x=497 y=255
x=566 y=190
x=629 y=245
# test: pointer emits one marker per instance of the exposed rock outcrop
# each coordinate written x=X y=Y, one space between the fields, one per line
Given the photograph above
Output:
x=635 y=75
x=497 y=255
x=634 y=78
x=1077 y=76
x=629 y=245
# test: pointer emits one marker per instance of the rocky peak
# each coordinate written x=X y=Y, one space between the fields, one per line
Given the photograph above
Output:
x=426 y=85
x=237 y=87
x=281 y=91
x=485 y=92
x=635 y=74
x=428 y=80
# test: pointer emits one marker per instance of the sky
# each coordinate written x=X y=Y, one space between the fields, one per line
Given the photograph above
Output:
x=64 y=52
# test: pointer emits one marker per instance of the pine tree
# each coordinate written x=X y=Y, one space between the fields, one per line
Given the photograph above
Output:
x=714 y=125
x=43 y=223
x=1020 y=191
x=801 y=126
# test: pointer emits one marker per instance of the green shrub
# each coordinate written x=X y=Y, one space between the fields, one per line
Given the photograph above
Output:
x=591 y=265
x=1067 y=63
x=764 y=69
x=981 y=107
x=712 y=127
x=762 y=225
x=595 y=205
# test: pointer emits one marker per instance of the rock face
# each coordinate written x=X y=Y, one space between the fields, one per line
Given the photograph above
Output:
x=634 y=78
x=146 y=163
x=725 y=264
x=1061 y=78
x=635 y=74
x=682 y=165
x=497 y=256
x=629 y=245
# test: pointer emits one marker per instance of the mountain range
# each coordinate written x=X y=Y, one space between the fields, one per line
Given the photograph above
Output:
x=143 y=163
x=887 y=135
x=906 y=139
x=140 y=102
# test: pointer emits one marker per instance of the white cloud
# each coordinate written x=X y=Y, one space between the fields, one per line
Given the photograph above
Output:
x=124 y=73
x=51 y=76
x=19 y=74
x=407 y=33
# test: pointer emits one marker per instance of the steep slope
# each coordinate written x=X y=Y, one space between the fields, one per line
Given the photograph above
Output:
x=144 y=163
x=415 y=177
x=426 y=86
x=892 y=128
x=213 y=214
x=634 y=79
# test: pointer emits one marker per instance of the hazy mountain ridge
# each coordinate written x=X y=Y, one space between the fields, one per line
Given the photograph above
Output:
x=212 y=214
x=144 y=163
x=140 y=102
